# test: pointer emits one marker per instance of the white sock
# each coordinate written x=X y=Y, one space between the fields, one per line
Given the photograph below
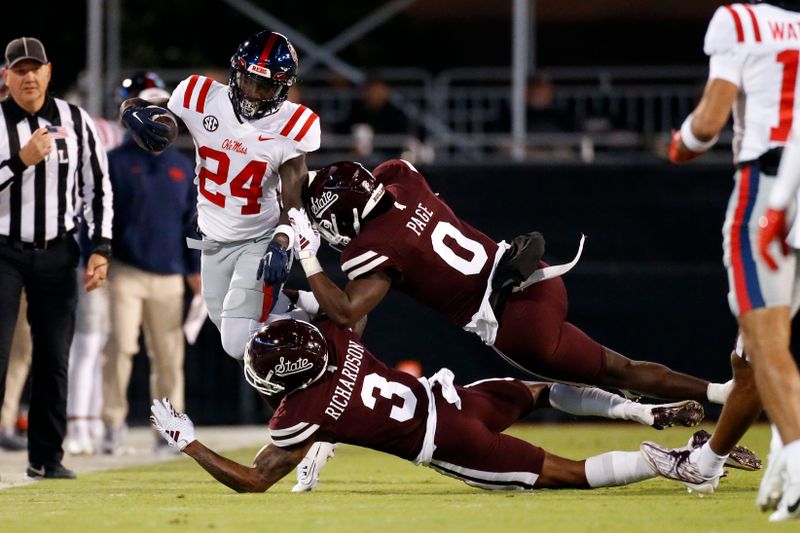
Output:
x=792 y=456
x=719 y=392
x=589 y=401
x=775 y=443
x=708 y=463
x=617 y=468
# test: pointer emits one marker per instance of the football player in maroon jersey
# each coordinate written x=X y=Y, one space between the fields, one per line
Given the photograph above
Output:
x=334 y=390
x=395 y=232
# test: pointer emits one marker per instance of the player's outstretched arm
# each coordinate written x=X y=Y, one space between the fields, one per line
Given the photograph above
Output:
x=701 y=128
x=270 y=466
x=344 y=307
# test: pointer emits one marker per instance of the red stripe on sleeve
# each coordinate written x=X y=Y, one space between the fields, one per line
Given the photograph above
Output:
x=754 y=20
x=738 y=22
x=306 y=127
x=292 y=121
x=201 y=98
x=187 y=96
x=267 y=49
x=739 y=282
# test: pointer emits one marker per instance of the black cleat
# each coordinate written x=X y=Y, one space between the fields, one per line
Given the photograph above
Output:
x=740 y=457
x=688 y=413
x=58 y=471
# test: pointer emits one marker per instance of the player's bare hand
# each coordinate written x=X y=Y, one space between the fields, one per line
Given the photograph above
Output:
x=37 y=148
x=195 y=283
x=96 y=272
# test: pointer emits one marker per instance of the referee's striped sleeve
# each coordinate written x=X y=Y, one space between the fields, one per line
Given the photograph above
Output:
x=9 y=168
x=97 y=196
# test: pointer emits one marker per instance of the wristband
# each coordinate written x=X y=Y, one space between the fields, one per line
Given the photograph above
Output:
x=287 y=230
x=690 y=141
x=311 y=266
x=308 y=302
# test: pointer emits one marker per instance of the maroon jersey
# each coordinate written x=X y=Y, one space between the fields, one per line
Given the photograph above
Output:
x=441 y=261
x=359 y=401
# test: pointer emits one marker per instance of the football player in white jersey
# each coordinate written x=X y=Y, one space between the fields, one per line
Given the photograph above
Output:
x=754 y=53
x=250 y=149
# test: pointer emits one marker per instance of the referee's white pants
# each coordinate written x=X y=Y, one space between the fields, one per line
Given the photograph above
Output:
x=155 y=302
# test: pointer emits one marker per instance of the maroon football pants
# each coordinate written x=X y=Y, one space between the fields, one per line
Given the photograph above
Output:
x=469 y=445
x=535 y=335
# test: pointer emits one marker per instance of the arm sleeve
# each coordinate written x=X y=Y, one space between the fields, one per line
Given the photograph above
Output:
x=175 y=103
x=293 y=435
x=304 y=131
x=98 y=208
x=788 y=181
x=722 y=47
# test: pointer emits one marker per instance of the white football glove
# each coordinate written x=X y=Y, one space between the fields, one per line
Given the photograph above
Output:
x=176 y=428
x=306 y=236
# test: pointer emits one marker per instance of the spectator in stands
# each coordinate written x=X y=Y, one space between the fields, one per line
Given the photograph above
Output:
x=154 y=201
x=542 y=113
x=374 y=114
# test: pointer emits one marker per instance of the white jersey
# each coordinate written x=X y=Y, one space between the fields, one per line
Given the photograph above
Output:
x=756 y=47
x=238 y=162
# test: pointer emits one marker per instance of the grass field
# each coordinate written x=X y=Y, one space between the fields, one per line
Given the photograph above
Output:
x=367 y=491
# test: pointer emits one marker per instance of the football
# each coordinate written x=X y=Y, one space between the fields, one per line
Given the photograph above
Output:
x=168 y=120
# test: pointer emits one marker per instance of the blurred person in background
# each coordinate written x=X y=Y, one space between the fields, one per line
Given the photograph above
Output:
x=49 y=156
x=85 y=396
x=752 y=72
x=154 y=210
x=374 y=114
x=19 y=364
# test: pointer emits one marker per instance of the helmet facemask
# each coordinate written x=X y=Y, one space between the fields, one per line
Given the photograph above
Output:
x=242 y=86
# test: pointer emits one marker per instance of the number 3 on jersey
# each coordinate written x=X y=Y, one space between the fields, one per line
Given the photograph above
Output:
x=246 y=184
x=387 y=390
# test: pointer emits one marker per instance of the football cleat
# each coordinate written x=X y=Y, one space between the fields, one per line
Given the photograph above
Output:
x=309 y=468
x=740 y=458
x=789 y=505
x=770 y=491
x=676 y=464
x=688 y=413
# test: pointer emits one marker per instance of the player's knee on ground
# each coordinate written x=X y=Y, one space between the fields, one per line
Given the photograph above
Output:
x=560 y=473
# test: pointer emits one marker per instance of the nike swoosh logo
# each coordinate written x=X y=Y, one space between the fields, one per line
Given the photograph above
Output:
x=260 y=138
x=136 y=116
x=793 y=508
x=38 y=471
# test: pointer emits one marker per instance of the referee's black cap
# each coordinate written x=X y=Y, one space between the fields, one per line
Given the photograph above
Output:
x=25 y=48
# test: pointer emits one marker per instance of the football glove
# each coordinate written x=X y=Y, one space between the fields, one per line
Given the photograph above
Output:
x=274 y=266
x=678 y=155
x=149 y=134
x=773 y=227
x=176 y=428
x=306 y=240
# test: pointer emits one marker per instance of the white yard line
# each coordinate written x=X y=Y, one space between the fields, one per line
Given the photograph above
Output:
x=140 y=441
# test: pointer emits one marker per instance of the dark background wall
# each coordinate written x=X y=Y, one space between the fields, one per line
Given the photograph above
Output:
x=650 y=283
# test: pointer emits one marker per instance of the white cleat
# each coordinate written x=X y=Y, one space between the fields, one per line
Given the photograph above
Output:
x=789 y=505
x=676 y=464
x=309 y=468
x=771 y=489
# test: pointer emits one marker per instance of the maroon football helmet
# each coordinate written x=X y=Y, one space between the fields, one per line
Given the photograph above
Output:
x=284 y=356
x=339 y=197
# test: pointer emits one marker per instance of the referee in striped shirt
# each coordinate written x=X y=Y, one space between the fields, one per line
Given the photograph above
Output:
x=51 y=162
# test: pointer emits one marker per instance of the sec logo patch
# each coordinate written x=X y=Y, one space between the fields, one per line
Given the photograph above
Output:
x=210 y=123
